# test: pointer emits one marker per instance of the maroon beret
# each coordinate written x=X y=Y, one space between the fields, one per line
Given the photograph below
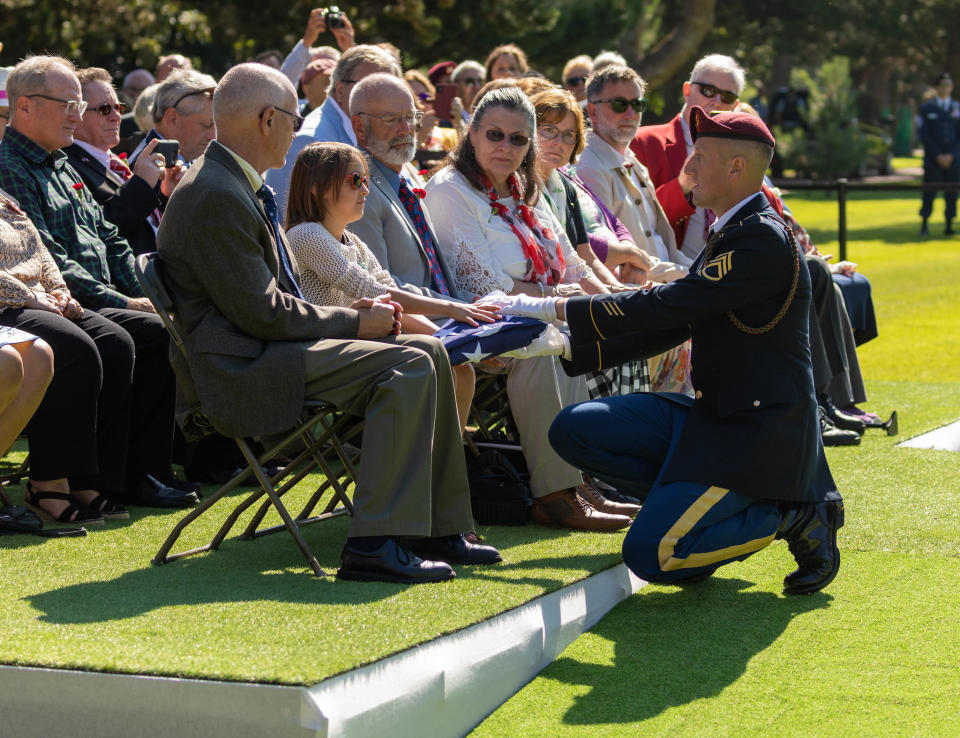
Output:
x=438 y=70
x=729 y=125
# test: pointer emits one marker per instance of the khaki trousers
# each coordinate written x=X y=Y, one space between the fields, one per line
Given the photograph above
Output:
x=412 y=476
x=538 y=389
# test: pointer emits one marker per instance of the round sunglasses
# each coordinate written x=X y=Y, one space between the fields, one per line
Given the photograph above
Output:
x=108 y=108
x=575 y=81
x=620 y=104
x=518 y=140
x=711 y=91
x=357 y=180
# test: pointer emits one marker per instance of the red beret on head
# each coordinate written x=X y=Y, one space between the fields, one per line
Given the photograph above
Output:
x=438 y=70
x=735 y=125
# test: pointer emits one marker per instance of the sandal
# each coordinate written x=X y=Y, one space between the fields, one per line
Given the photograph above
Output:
x=74 y=513
x=105 y=508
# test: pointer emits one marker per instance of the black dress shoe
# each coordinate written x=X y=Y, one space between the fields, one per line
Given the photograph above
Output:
x=810 y=530
x=453 y=549
x=151 y=492
x=391 y=562
x=833 y=436
x=839 y=418
x=184 y=485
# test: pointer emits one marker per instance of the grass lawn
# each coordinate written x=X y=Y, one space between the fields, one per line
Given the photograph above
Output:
x=251 y=611
x=876 y=653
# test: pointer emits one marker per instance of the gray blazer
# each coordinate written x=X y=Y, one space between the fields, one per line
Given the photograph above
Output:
x=389 y=233
x=242 y=328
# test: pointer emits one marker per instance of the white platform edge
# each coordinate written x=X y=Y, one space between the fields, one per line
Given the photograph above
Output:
x=442 y=688
x=945 y=438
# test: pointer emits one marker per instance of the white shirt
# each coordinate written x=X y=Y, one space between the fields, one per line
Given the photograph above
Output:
x=348 y=126
x=722 y=220
x=101 y=156
x=484 y=252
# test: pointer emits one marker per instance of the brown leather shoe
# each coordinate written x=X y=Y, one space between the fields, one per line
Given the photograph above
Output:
x=566 y=509
x=596 y=499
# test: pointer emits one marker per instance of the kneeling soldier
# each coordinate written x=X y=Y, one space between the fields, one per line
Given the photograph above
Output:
x=742 y=464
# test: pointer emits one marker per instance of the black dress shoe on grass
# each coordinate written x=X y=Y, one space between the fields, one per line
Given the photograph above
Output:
x=833 y=436
x=810 y=530
x=453 y=549
x=839 y=418
x=184 y=485
x=151 y=492
x=391 y=562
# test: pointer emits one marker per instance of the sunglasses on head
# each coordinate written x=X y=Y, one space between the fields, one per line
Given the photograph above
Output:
x=620 y=104
x=516 y=139
x=711 y=91
x=207 y=93
x=108 y=108
x=575 y=81
x=357 y=180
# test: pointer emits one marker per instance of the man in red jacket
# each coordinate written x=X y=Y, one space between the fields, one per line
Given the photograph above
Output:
x=714 y=85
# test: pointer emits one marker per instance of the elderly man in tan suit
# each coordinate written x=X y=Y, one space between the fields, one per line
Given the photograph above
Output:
x=255 y=349
x=615 y=104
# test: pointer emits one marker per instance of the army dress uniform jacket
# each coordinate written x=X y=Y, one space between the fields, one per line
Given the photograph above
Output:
x=753 y=426
x=939 y=129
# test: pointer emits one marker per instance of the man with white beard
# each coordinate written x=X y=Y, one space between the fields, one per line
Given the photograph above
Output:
x=384 y=119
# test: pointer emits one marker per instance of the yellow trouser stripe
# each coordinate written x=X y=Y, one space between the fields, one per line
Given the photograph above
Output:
x=691 y=517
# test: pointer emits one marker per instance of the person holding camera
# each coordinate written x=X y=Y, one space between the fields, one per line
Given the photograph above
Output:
x=132 y=199
x=321 y=19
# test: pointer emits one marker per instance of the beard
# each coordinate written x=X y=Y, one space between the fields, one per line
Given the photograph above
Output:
x=397 y=151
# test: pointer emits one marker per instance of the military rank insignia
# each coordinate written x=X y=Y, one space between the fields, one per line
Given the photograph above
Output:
x=716 y=269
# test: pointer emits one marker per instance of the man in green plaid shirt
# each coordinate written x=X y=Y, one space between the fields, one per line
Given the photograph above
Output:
x=97 y=264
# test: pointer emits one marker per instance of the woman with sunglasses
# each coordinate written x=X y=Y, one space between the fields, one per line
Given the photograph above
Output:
x=132 y=199
x=328 y=188
x=500 y=236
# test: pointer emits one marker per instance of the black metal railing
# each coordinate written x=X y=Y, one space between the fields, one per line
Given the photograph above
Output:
x=843 y=186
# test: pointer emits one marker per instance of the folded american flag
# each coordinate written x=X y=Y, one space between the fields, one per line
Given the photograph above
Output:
x=465 y=343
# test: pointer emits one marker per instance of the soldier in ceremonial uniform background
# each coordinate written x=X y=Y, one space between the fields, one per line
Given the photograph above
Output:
x=742 y=464
x=939 y=119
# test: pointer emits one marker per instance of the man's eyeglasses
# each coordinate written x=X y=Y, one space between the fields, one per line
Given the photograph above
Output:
x=575 y=81
x=620 y=104
x=517 y=140
x=474 y=81
x=73 y=106
x=207 y=93
x=392 y=119
x=297 y=119
x=711 y=91
x=108 y=108
x=357 y=180
x=552 y=132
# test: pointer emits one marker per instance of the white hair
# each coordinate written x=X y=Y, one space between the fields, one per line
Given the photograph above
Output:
x=724 y=64
x=606 y=58
x=468 y=66
x=372 y=85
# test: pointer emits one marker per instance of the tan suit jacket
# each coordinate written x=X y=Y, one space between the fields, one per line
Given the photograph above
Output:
x=603 y=169
x=242 y=328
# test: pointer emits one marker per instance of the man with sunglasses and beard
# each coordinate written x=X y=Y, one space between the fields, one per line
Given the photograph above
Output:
x=615 y=104
x=715 y=85
x=131 y=198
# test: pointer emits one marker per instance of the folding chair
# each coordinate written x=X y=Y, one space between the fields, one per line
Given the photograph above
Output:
x=318 y=432
x=490 y=413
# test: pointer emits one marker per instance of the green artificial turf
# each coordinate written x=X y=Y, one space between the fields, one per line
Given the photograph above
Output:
x=876 y=653
x=250 y=611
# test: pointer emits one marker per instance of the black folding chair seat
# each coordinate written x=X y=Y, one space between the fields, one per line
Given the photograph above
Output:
x=315 y=442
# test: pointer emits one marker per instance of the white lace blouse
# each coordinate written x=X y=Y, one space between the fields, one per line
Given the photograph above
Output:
x=479 y=245
x=334 y=273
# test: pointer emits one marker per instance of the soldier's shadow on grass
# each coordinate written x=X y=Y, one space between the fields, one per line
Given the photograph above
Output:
x=673 y=647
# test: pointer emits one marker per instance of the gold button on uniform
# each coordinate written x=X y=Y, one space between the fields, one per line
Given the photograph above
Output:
x=698 y=394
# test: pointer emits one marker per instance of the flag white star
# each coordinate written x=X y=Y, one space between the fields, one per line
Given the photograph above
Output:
x=477 y=354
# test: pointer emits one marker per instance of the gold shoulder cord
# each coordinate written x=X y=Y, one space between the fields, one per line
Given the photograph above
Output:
x=750 y=330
